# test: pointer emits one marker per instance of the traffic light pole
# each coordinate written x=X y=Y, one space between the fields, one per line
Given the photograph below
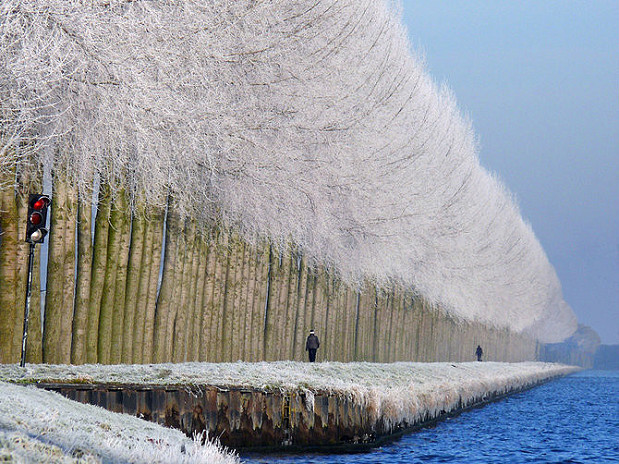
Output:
x=27 y=305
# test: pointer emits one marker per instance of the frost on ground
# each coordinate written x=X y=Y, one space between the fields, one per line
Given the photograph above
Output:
x=393 y=393
x=37 y=426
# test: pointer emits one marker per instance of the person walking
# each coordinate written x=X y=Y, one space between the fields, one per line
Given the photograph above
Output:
x=479 y=352
x=311 y=346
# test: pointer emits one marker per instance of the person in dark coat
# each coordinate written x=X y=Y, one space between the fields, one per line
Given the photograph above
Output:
x=311 y=346
x=479 y=352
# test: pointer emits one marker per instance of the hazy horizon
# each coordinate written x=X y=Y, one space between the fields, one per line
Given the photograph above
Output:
x=540 y=83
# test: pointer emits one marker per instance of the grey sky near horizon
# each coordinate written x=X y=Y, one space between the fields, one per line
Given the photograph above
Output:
x=540 y=81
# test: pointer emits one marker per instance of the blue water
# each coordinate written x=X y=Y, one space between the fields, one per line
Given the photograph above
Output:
x=574 y=419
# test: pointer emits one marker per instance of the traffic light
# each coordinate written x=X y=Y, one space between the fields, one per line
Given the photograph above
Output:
x=37 y=218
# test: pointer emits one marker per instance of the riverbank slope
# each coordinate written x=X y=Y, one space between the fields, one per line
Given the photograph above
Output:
x=289 y=404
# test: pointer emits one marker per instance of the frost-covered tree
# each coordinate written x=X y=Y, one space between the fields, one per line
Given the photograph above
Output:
x=311 y=122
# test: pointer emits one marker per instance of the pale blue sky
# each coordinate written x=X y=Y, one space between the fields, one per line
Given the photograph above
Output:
x=540 y=81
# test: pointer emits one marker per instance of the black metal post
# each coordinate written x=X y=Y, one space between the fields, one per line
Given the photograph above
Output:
x=27 y=305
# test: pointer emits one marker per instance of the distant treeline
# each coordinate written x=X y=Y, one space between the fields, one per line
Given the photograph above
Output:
x=607 y=357
x=578 y=350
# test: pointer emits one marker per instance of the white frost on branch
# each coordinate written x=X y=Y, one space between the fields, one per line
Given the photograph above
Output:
x=308 y=121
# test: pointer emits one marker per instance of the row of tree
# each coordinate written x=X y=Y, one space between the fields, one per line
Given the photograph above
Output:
x=309 y=123
x=220 y=298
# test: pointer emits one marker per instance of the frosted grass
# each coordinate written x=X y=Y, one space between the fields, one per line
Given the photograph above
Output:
x=393 y=393
x=41 y=426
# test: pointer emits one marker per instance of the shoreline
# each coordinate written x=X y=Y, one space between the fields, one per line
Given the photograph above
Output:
x=292 y=406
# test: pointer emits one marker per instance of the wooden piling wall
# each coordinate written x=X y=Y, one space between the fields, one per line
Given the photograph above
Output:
x=250 y=419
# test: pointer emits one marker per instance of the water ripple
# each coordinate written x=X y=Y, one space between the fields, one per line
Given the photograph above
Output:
x=570 y=420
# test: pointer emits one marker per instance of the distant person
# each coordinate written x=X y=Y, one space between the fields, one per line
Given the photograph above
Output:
x=479 y=352
x=311 y=346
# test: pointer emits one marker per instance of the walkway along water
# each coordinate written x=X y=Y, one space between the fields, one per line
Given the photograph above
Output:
x=302 y=418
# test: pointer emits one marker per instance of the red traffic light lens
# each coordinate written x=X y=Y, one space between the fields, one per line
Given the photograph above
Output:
x=36 y=219
x=40 y=204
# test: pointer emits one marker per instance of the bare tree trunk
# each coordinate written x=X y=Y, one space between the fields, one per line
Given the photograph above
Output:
x=333 y=317
x=243 y=311
x=298 y=344
x=60 y=275
x=148 y=287
x=281 y=283
x=273 y=313
x=34 y=347
x=69 y=267
x=291 y=305
x=260 y=298
x=432 y=339
x=321 y=310
x=405 y=329
x=410 y=325
x=310 y=296
x=177 y=289
x=389 y=320
x=284 y=332
x=172 y=261
x=439 y=340
x=9 y=276
x=14 y=253
x=83 y=280
x=397 y=320
x=367 y=309
x=233 y=289
x=221 y=277
x=350 y=305
x=136 y=270
x=183 y=298
x=208 y=303
x=423 y=336
x=250 y=287
x=113 y=298
x=23 y=251
x=99 y=259
x=358 y=320
x=199 y=336
x=415 y=328
x=384 y=319
x=120 y=284
x=374 y=323
x=210 y=326
x=195 y=325
x=151 y=229
x=336 y=335
x=270 y=315
x=349 y=299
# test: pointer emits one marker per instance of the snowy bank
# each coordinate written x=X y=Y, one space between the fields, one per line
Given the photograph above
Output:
x=290 y=403
x=42 y=426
